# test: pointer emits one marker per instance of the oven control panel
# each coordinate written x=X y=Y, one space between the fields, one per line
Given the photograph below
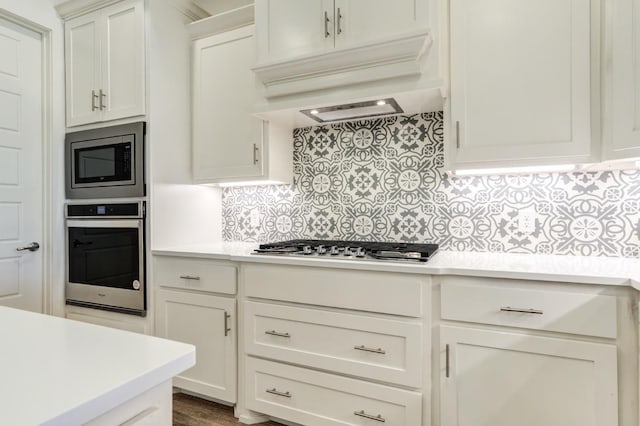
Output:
x=111 y=210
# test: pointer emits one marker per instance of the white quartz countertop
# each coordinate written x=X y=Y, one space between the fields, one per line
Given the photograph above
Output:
x=55 y=371
x=574 y=269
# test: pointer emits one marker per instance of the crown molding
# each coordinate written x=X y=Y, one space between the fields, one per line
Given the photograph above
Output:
x=189 y=9
x=72 y=8
x=222 y=22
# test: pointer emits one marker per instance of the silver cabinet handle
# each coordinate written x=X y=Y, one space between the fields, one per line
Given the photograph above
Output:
x=458 y=134
x=447 y=366
x=93 y=100
x=520 y=310
x=326 y=24
x=31 y=247
x=102 y=96
x=364 y=348
x=277 y=392
x=339 y=31
x=275 y=333
x=226 y=323
x=377 y=418
x=190 y=277
x=255 y=153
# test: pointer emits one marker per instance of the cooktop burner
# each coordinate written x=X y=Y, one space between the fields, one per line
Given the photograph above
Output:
x=340 y=249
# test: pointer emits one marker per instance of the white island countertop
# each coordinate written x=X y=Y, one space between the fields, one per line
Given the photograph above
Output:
x=575 y=269
x=56 y=371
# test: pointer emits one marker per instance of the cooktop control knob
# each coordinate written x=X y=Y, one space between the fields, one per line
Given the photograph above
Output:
x=334 y=251
x=307 y=250
x=321 y=250
x=347 y=251
x=359 y=252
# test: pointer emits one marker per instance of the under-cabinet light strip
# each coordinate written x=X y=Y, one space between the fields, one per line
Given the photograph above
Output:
x=516 y=170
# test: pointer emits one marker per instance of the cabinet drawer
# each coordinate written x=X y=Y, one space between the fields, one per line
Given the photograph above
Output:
x=194 y=274
x=374 y=348
x=384 y=292
x=314 y=398
x=540 y=309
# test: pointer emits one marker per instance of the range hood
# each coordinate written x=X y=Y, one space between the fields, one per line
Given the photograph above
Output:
x=402 y=75
x=354 y=111
x=337 y=107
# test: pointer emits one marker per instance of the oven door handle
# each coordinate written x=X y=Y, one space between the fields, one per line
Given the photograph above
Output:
x=77 y=243
x=104 y=223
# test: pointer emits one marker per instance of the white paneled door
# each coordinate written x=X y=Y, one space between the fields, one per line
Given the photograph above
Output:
x=21 y=217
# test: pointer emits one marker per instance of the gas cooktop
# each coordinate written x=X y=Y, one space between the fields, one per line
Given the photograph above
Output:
x=340 y=249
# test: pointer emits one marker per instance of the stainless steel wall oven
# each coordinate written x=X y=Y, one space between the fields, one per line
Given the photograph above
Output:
x=106 y=256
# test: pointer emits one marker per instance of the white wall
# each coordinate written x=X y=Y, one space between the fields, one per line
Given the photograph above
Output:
x=41 y=12
x=181 y=213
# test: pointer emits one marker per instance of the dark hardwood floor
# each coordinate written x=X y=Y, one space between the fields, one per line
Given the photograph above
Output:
x=191 y=411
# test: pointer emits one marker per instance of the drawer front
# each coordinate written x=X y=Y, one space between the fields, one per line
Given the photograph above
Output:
x=550 y=310
x=384 y=292
x=374 y=348
x=194 y=274
x=313 y=398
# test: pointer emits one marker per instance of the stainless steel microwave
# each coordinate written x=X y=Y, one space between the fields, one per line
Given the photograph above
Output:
x=105 y=163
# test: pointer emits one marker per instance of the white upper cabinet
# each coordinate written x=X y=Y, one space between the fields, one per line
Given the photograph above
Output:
x=227 y=138
x=310 y=45
x=104 y=61
x=361 y=21
x=524 y=82
x=622 y=81
x=290 y=28
x=230 y=144
x=82 y=69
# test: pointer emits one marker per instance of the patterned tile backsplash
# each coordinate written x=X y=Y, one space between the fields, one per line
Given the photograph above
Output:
x=382 y=180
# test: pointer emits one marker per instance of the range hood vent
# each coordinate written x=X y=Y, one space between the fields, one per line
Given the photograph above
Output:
x=354 y=110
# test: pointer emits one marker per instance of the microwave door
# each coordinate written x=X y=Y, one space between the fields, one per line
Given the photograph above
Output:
x=104 y=163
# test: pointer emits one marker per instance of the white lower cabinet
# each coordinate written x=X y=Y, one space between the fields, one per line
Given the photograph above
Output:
x=207 y=322
x=321 y=346
x=531 y=353
x=495 y=378
x=188 y=311
x=380 y=349
x=315 y=398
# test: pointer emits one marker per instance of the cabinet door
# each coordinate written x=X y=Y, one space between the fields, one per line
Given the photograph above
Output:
x=123 y=61
x=624 y=81
x=227 y=138
x=82 y=63
x=521 y=74
x=505 y=379
x=290 y=28
x=208 y=323
x=361 y=21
